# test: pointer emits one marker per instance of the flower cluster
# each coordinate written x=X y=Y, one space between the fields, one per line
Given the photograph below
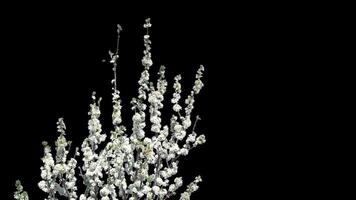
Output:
x=146 y=60
x=20 y=194
x=93 y=163
x=58 y=175
x=130 y=165
x=192 y=187
x=155 y=98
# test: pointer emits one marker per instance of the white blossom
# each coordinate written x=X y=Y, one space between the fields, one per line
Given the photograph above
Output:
x=200 y=140
x=146 y=189
x=43 y=186
x=104 y=192
x=155 y=190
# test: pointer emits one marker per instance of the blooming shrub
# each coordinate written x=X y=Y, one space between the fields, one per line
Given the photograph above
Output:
x=126 y=164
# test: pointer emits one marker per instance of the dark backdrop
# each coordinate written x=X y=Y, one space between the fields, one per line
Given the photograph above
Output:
x=51 y=61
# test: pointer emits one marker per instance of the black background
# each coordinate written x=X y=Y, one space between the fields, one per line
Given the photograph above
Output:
x=51 y=61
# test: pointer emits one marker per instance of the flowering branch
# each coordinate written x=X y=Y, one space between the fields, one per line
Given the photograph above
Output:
x=129 y=165
x=58 y=176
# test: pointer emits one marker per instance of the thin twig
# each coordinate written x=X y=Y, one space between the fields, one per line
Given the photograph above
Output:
x=195 y=123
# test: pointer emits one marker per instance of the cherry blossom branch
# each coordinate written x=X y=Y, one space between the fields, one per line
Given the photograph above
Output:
x=132 y=165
